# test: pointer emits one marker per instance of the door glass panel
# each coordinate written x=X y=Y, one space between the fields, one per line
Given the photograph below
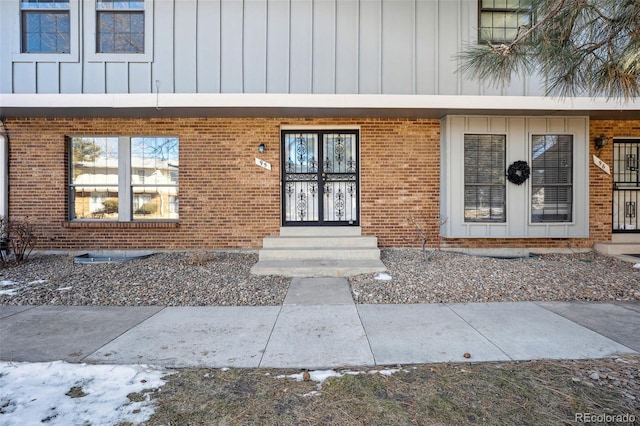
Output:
x=301 y=202
x=340 y=190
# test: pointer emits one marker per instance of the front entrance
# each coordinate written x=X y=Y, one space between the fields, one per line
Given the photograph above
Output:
x=626 y=185
x=320 y=179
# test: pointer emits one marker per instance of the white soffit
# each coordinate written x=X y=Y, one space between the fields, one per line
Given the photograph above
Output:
x=183 y=104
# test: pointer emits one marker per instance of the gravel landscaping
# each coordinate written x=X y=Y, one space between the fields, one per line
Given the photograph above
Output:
x=224 y=278
x=448 y=277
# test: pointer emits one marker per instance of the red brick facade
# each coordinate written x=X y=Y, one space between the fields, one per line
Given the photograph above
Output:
x=226 y=201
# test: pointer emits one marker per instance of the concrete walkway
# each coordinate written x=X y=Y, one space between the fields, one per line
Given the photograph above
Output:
x=319 y=326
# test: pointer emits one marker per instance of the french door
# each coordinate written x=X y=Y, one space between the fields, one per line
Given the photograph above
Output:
x=320 y=179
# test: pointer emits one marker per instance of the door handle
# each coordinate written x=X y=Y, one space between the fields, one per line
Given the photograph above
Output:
x=324 y=176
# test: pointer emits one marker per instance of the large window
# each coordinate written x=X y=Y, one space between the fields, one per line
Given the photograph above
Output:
x=499 y=20
x=124 y=178
x=551 y=178
x=45 y=26
x=120 y=26
x=484 y=178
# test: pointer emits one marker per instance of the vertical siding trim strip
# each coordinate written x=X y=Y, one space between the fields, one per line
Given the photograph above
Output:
x=380 y=40
x=414 y=47
x=196 y=47
x=289 y=49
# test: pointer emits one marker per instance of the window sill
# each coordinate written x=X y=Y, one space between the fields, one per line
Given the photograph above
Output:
x=118 y=225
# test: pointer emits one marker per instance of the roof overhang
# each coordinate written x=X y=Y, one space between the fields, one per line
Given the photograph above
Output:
x=305 y=105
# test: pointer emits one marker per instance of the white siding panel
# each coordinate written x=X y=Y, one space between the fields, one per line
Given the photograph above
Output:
x=516 y=87
x=117 y=74
x=140 y=78
x=397 y=46
x=535 y=85
x=300 y=67
x=208 y=46
x=255 y=46
x=94 y=77
x=324 y=46
x=468 y=36
x=185 y=43
x=48 y=75
x=517 y=196
x=24 y=77
x=448 y=45
x=163 y=47
x=278 y=46
x=231 y=41
x=347 y=47
x=369 y=48
x=70 y=77
x=426 y=46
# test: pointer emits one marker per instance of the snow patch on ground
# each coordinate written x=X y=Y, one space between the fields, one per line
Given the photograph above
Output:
x=59 y=393
x=320 y=376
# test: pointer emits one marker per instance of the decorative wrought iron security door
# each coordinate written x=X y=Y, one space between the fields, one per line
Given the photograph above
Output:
x=320 y=178
x=626 y=185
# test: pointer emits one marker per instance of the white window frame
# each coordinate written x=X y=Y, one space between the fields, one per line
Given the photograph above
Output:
x=91 y=37
x=125 y=188
x=74 y=31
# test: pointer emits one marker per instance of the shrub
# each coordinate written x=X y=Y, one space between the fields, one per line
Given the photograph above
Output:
x=16 y=236
x=147 y=208
x=110 y=205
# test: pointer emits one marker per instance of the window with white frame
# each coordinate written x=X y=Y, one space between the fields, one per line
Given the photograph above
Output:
x=45 y=26
x=120 y=26
x=123 y=178
x=484 y=178
x=500 y=20
x=551 y=178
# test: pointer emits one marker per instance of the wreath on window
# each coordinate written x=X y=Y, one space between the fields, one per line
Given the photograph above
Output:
x=518 y=172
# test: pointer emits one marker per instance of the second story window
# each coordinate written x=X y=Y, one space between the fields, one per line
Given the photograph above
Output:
x=45 y=26
x=499 y=20
x=120 y=26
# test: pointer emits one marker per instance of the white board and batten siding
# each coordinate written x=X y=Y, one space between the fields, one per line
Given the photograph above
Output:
x=264 y=46
x=518 y=131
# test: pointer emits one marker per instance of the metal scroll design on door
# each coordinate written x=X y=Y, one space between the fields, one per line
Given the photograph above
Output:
x=320 y=178
x=301 y=178
x=340 y=186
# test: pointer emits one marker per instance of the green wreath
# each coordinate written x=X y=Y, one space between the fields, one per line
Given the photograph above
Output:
x=518 y=172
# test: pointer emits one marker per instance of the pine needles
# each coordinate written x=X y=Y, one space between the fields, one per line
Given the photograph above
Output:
x=580 y=47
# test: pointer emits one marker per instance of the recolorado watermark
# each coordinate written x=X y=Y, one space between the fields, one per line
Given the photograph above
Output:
x=604 y=418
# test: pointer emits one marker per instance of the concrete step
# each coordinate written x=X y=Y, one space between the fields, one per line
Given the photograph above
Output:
x=319 y=253
x=320 y=242
x=320 y=231
x=617 y=248
x=317 y=268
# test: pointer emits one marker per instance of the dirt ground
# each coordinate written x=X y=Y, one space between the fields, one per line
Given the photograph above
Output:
x=594 y=392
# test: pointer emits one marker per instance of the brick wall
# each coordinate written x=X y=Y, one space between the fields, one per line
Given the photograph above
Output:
x=226 y=201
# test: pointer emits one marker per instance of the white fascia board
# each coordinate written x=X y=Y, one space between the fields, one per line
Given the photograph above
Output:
x=227 y=100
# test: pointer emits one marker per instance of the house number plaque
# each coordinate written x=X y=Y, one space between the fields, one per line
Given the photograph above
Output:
x=263 y=164
x=604 y=166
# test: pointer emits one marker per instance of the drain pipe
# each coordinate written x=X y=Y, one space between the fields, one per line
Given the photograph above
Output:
x=4 y=171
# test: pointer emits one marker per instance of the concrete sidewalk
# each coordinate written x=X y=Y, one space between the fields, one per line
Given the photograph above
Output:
x=319 y=326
